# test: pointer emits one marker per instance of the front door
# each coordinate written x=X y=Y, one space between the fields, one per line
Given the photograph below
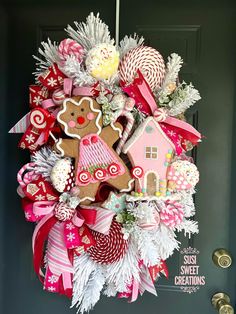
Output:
x=203 y=33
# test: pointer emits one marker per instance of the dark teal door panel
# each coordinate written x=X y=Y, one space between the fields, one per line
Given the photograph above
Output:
x=203 y=33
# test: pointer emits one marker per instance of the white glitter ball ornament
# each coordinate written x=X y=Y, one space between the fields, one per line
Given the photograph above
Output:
x=148 y=60
x=62 y=175
x=102 y=61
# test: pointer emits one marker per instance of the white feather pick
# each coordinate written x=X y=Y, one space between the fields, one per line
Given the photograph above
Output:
x=110 y=290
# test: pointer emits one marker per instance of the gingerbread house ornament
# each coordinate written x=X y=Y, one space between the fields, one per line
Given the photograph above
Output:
x=150 y=152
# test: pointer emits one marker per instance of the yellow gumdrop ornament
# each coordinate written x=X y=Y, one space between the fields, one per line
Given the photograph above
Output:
x=102 y=61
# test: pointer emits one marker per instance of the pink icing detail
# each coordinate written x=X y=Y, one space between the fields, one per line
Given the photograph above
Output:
x=90 y=116
x=94 y=139
x=95 y=156
x=71 y=124
x=86 y=142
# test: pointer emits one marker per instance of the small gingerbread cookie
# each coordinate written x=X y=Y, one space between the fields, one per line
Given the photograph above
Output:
x=91 y=146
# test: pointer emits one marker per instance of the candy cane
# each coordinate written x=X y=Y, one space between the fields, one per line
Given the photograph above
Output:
x=125 y=112
x=23 y=180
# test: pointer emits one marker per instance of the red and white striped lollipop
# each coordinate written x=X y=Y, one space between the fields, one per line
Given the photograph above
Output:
x=109 y=248
x=137 y=172
x=148 y=60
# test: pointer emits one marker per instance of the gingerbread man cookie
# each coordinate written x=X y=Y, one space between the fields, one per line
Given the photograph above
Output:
x=91 y=147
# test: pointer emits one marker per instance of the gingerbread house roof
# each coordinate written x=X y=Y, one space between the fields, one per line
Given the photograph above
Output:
x=140 y=131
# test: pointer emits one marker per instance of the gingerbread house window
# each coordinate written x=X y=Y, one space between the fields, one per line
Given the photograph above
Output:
x=151 y=152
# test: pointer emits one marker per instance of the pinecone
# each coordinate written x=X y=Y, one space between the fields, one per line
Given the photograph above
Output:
x=63 y=212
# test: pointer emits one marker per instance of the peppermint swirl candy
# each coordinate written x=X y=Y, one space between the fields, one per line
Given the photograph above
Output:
x=137 y=172
x=99 y=174
x=84 y=177
x=109 y=248
x=160 y=115
x=63 y=212
x=148 y=60
x=69 y=47
x=38 y=119
x=113 y=169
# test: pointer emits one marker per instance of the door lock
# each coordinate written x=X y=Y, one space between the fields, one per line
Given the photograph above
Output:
x=222 y=258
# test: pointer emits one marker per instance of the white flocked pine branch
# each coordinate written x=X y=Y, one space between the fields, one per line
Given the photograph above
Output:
x=173 y=67
x=91 y=293
x=91 y=33
x=49 y=55
x=83 y=268
x=121 y=273
x=128 y=43
x=187 y=95
x=44 y=159
x=188 y=226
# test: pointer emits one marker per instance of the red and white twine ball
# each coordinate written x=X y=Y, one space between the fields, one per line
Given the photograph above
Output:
x=148 y=60
x=63 y=212
x=109 y=248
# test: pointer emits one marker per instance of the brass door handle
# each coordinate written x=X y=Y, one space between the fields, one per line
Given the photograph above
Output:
x=221 y=302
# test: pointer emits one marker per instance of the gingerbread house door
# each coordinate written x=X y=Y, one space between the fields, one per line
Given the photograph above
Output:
x=152 y=182
x=203 y=33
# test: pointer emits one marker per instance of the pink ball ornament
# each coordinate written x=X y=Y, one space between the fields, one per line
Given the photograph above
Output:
x=69 y=47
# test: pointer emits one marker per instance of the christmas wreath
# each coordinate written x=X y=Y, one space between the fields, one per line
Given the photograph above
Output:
x=109 y=183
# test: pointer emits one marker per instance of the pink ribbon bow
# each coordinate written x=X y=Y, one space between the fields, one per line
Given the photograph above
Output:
x=178 y=131
x=62 y=237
